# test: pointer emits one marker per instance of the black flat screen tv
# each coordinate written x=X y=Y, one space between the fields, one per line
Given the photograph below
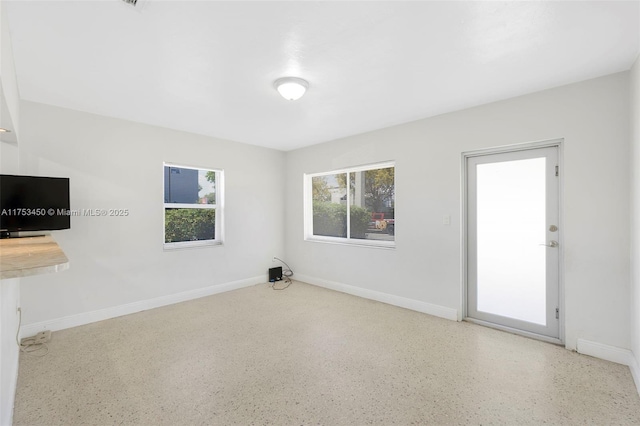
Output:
x=34 y=203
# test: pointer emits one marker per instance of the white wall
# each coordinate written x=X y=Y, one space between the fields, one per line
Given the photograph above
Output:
x=635 y=219
x=593 y=119
x=9 y=163
x=9 y=301
x=8 y=81
x=116 y=261
x=9 y=353
x=9 y=158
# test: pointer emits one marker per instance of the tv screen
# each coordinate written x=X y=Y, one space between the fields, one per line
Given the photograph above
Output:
x=33 y=203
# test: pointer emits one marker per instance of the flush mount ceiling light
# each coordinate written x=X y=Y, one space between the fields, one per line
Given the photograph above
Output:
x=291 y=88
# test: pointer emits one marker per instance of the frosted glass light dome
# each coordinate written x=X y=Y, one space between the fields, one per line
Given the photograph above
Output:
x=291 y=88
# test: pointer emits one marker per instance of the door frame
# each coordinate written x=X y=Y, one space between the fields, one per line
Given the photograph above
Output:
x=463 y=314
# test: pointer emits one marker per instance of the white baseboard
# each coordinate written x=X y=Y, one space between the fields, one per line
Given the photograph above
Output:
x=131 y=308
x=606 y=352
x=403 y=302
x=613 y=354
x=635 y=371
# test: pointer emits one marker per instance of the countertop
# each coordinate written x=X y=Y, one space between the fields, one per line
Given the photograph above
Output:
x=21 y=257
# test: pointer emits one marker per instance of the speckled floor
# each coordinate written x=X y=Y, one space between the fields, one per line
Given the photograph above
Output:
x=308 y=355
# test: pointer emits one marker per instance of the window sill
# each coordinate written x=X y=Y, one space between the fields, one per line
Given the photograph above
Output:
x=191 y=244
x=386 y=245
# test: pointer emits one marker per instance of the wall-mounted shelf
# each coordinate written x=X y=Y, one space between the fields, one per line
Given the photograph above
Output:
x=21 y=257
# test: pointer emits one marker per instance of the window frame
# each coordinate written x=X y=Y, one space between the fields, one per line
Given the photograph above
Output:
x=218 y=207
x=308 y=208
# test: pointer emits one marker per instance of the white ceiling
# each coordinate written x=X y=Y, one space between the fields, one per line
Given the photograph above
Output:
x=208 y=66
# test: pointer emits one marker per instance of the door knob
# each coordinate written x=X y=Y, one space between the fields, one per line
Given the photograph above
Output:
x=552 y=244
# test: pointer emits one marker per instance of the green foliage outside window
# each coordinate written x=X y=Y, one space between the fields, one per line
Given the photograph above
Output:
x=330 y=219
x=189 y=225
x=379 y=186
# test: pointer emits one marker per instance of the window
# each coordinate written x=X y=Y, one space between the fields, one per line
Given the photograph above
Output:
x=355 y=205
x=192 y=206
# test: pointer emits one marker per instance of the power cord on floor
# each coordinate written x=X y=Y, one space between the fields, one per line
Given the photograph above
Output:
x=286 y=274
x=29 y=345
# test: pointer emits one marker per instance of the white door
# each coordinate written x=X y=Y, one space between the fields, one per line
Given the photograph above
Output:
x=513 y=240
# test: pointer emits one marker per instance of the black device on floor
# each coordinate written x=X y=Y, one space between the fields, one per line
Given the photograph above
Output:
x=275 y=274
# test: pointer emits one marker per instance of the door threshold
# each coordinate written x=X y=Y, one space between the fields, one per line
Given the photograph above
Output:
x=523 y=333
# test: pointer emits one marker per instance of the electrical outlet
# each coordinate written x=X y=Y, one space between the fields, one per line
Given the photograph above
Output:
x=43 y=337
x=273 y=259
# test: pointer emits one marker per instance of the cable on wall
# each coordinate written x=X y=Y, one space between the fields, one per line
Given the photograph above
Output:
x=286 y=274
x=28 y=344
